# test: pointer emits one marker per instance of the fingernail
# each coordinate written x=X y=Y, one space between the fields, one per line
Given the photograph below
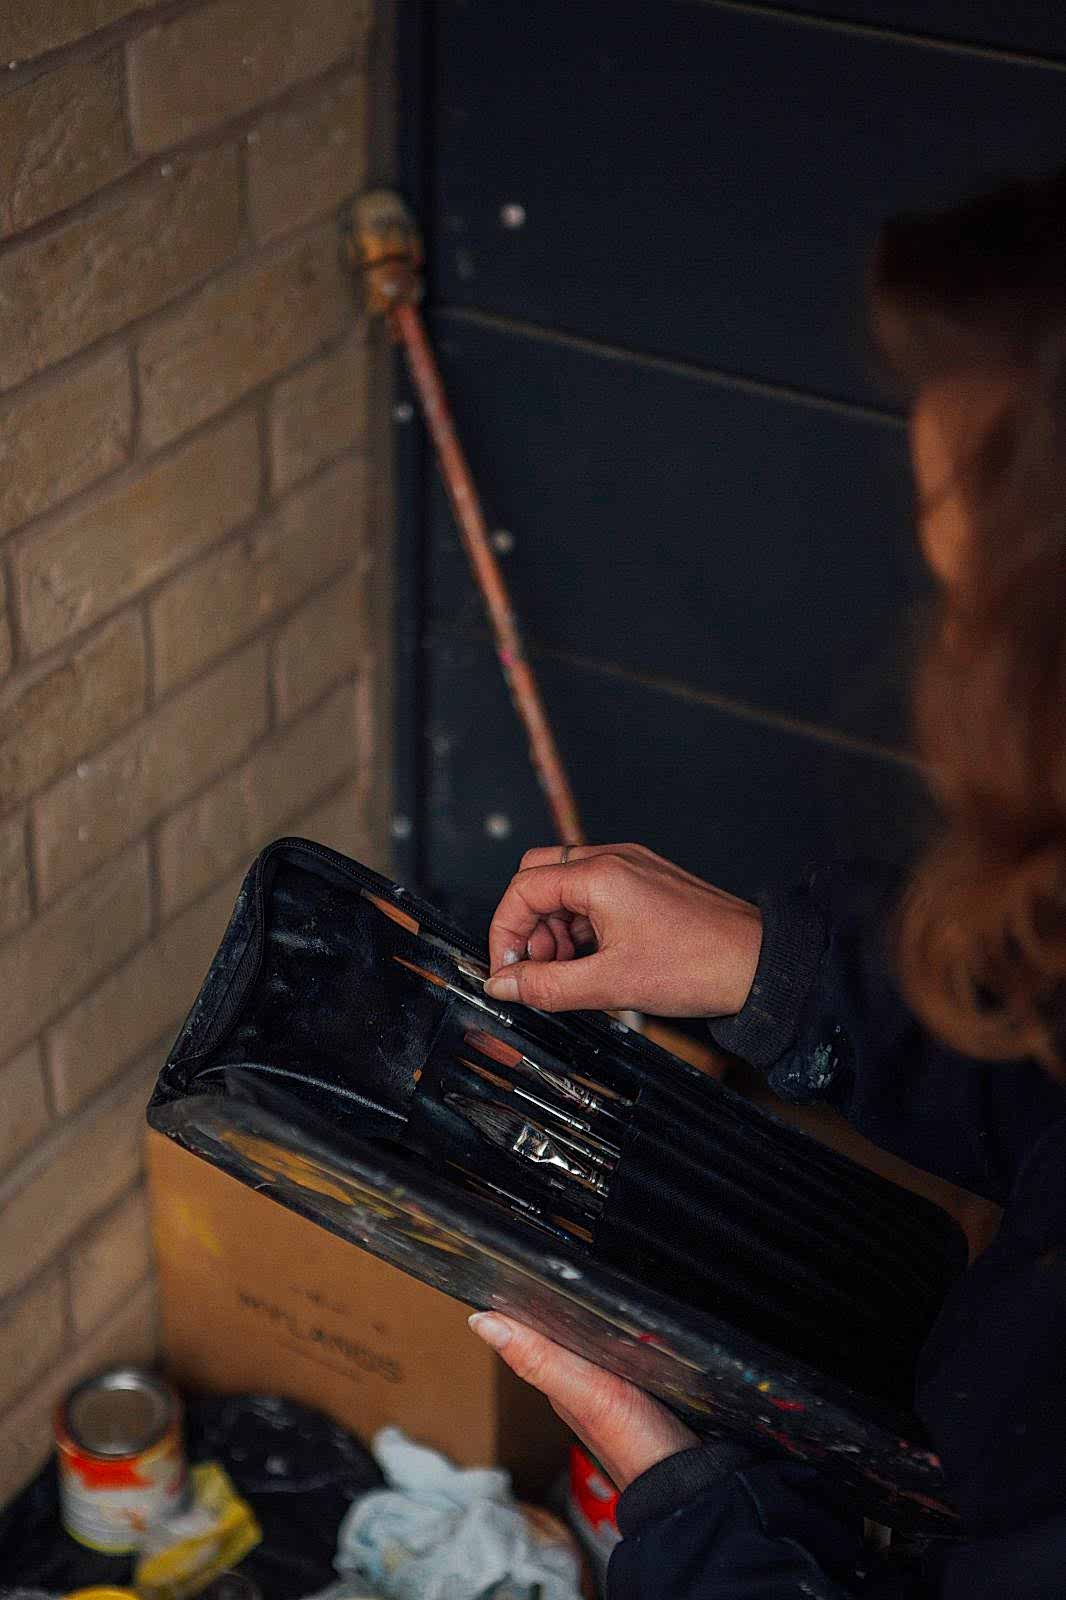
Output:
x=502 y=988
x=510 y=957
x=494 y=1330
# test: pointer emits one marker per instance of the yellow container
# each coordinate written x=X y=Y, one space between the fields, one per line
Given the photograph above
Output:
x=102 y=1594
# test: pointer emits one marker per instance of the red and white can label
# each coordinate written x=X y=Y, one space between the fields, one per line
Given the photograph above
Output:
x=108 y=1502
x=592 y=1506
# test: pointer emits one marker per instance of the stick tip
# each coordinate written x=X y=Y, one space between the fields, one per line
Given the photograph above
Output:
x=385 y=246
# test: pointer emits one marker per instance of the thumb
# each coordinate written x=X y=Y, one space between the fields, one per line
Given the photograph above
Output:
x=584 y=984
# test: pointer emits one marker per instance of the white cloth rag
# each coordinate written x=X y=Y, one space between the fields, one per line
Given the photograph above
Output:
x=440 y=1532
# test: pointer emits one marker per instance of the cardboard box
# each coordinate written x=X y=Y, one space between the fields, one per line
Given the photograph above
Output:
x=256 y=1297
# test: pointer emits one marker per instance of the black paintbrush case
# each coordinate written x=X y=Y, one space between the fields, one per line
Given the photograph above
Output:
x=761 y=1284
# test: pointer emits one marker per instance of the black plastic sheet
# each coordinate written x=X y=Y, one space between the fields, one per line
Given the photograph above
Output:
x=298 y=1470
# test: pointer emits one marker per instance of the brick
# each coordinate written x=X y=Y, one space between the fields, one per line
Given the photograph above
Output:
x=23 y=1109
x=129 y=256
x=77 y=1174
x=116 y=795
x=341 y=822
x=240 y=330
x=318 y=412
x=28 y=28
x=144 y=999
x=53 y=961
x=62 y=137
x=236 y=590
x=107 y=1265
x=225 y=827
x=130 y=1336
x=306 y=158
x=14 y=880
x=324 y=640
x=49 y=716
x=62 y=434
x=32 y=1334
x=223 y=59
x=90 y=560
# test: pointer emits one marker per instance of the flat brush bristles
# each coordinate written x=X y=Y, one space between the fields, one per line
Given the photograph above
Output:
x=494 y=1048
x=500 y=1125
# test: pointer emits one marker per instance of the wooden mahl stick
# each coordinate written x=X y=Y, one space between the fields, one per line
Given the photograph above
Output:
x=385 y=247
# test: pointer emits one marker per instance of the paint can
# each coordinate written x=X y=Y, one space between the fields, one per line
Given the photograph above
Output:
x=591 y=1500
x=121 y=1462
x=107 y=1593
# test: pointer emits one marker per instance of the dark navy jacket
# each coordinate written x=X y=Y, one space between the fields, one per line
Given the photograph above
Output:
x=825 y=1022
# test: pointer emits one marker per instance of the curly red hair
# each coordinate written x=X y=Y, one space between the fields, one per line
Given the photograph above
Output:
x=981 y=289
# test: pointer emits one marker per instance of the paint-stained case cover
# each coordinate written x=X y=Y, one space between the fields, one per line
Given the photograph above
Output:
x=314 y=1064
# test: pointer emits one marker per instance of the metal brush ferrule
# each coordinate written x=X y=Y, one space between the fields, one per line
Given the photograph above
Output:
x=533 y=1145
x=600 y=1151
x=574 y=1092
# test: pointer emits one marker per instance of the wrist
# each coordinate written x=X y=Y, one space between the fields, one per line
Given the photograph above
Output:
x=748 y=946
x=735 y=973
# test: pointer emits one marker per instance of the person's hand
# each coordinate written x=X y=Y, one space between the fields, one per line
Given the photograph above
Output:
x=626 y=1430
x=660 y=939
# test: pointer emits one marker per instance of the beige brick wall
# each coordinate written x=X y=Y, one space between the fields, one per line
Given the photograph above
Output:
x=191 y=594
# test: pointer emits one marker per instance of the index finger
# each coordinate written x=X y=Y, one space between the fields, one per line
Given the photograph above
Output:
x=531 y=895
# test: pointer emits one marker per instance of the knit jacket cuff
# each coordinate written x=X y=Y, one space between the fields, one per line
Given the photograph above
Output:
x=678 y=1479
x=793 y=941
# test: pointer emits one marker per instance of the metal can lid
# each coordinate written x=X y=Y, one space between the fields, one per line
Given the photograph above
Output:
x=120 y=1412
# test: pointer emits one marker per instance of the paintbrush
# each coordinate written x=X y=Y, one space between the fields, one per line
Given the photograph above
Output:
x=508 y=1056
x=467 y=965
x=525 y=1209
x=453 y=988
x=578 y=1124
x=509 y=1131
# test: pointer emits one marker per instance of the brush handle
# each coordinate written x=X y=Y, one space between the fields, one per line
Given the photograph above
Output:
x=525 y=1210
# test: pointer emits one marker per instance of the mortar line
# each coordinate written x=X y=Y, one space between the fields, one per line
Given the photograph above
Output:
x=55 y=658
x=137 y=466
x=209 y=141
x=99 y=41
x=147 y=322
x=149 y=832
x=29 y=832
x=33 y=1161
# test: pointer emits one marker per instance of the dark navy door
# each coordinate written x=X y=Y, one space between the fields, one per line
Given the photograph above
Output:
x=648 y=226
